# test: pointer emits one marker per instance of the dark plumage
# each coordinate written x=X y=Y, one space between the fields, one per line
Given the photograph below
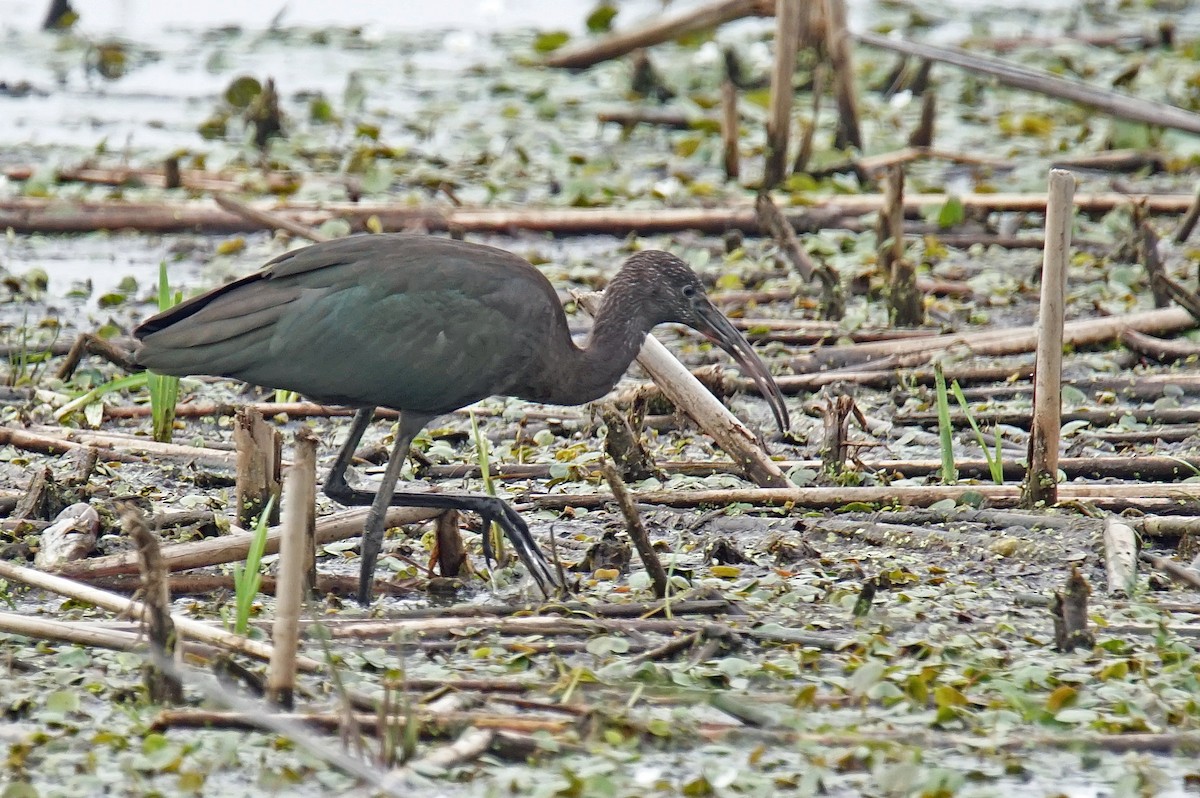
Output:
x=425 y=326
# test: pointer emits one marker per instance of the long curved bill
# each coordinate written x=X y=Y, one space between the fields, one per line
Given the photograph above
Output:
x=714 y=325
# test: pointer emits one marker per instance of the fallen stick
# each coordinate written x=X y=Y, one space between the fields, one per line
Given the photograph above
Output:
x=332 y=721
x=186 y=627
x=189 y=584
x=1173 y=569
x=657 y=30
x=661 y=117
x=1139 y=467
x=233 y=547
x=64 y=632
x=1021 y=418
x=37 y=215
x=194 y=179
x=1112 y=103
x=996 y=495
x=637 y=532
x=127 y=447
x=1001 y=341
x=266 y=219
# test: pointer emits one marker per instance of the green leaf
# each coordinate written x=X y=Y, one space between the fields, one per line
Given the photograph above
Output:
x=63 y=701
x=242 y=91
x=549 y=41
x=951 y=213
x=601 y=18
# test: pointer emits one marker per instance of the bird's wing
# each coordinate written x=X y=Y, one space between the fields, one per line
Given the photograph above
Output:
x=405 y=322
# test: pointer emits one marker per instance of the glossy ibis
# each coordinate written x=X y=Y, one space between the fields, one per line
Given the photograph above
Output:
x=425 y=326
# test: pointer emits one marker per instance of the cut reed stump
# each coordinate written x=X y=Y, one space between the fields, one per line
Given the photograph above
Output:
x=259 y=463
x=1041 y=481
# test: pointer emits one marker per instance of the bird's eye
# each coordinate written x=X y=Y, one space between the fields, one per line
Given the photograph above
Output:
x=689 y=291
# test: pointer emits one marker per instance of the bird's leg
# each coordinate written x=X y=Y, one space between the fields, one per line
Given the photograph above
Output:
x=410 y=424
x=488 y=508
x=335 y=484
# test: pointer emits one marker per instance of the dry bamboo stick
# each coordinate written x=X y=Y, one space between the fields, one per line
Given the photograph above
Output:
x=332 y=721
x=662 y=117
x=259 y=464
x=1137 y=467
x=1042 y=478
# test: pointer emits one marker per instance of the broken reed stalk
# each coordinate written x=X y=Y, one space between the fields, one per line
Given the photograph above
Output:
x=298 y=492
x=637 y=532
x=922 y=136
x=451 y=553
x=1147 y=250
x=1120 y=556
x=787 y=40
x=808 y=129
x=729 y=129
x=773 y=223
x=305 y=464
x=259 y=461
x=1041 y=480
x=905 y=302
x=849 y=132
x=1070 y=612
x=689 y=396
x=623 y=445
x=1188 y=222
x=162 y=684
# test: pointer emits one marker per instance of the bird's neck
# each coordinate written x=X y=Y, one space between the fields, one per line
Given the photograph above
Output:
x=615 y=339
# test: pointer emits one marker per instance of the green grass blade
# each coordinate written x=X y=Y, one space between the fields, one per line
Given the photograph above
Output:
x=85 y=399
x=489 y=487
x=164 y=389
x=247 y=578
x=945 y=432
x=995 y=464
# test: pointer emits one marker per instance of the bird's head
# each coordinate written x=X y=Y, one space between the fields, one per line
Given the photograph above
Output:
x=664 y=290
